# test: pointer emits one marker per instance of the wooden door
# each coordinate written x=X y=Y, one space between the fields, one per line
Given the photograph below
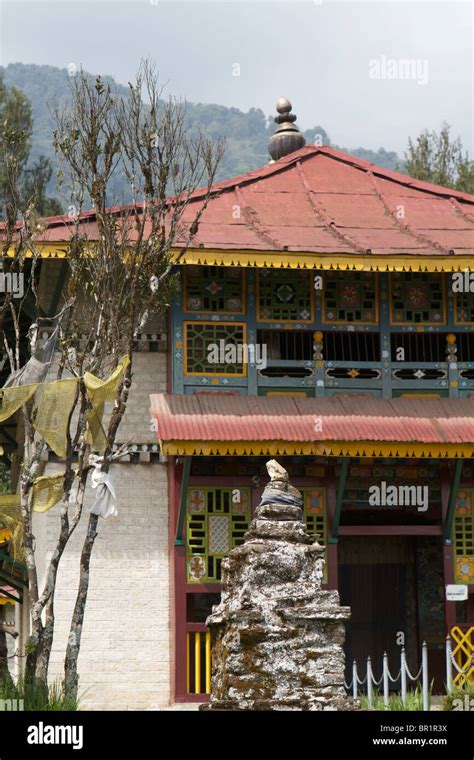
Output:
x=376 y=594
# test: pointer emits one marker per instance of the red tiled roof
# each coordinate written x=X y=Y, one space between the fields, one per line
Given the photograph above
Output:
x=340 y=418
x=321 y=200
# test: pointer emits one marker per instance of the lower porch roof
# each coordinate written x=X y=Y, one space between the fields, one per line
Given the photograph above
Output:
x=343 y=425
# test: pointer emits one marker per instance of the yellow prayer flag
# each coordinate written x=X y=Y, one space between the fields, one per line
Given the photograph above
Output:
x=99 y=392
x=47 y=491
x=54 y=408
x=13 y=397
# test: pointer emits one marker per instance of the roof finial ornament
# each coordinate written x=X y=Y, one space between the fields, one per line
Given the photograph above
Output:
x=287 y=137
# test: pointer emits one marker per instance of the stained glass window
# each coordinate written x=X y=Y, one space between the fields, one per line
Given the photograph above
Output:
x=417 y=298
x=284 y=295
x=463 y=536
x=216 y=521
x=214 y=289
x=464 y=308
x=215 y=348
x=350 y=297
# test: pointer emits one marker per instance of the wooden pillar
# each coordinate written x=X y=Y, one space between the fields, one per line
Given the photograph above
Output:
x=332 y=549
x=177 y=586
x=449 y=488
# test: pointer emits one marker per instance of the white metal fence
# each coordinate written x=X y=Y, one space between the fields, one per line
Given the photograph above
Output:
x=369 y=683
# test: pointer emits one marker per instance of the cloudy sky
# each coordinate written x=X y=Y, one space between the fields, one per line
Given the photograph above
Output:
x=370 y=73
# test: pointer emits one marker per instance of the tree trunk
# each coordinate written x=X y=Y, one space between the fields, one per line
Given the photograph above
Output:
x=5 y=677
x=44 y=648
x=71 y=678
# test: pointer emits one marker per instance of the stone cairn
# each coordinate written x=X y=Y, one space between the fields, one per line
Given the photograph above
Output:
x=276 y=636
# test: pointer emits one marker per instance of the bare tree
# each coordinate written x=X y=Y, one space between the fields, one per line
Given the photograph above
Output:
x=120 y=277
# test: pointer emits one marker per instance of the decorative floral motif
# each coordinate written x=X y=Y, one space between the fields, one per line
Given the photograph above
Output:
x=214 y=288
x=350 y=296
x=194 y=304
x=197 y=501
x=240 y=507
x=314 y=502
x=465 y=569
x=285 y=293
x=196 y=568
x=463 y=504
x=417 y=296
x=234 y=304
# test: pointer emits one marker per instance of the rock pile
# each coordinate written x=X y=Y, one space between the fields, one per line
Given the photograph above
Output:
x=277 y=637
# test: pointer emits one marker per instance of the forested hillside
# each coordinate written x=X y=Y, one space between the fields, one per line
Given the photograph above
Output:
x=246 y=134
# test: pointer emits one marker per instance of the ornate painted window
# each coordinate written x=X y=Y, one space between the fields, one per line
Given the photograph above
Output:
x=214 y=289
x=463 y=536
x=284 y=295
x=464 y=308
x=350 y=298
x=315 y=516
x=216 y=521
x=417 y=298
x=215 y=348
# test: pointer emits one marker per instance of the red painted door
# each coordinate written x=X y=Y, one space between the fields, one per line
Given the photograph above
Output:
x=375 y=593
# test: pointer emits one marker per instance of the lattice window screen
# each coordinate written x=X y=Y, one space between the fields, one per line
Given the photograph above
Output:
x=417 y=298
x=463 y=536
x=284 y=295
x=216 y=521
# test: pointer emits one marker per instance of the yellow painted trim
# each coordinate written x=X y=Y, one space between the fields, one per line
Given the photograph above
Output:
x=418 y=324
x=45 y=251
x=301 y=394
x=5 y=600
x=325 y=261
x=334 y=322
x=420 y=395
x=185 y=348
x=298 y=260
x=393 y=449
x=287 y=321
x=240 y=313
x=208 y=662
x=188 y=674
x=197 y=662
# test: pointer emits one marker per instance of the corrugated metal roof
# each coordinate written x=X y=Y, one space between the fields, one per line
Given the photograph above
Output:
x=321 y=200
x=339 y=418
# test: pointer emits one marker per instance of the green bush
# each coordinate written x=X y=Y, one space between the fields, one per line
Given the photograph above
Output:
x=36 y=698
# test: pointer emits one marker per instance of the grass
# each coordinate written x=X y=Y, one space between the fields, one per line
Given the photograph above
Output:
x=460 y=693
x=38 y=699
x=414 y=701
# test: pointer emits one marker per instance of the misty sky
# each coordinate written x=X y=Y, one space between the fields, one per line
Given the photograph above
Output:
x=319 y=54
